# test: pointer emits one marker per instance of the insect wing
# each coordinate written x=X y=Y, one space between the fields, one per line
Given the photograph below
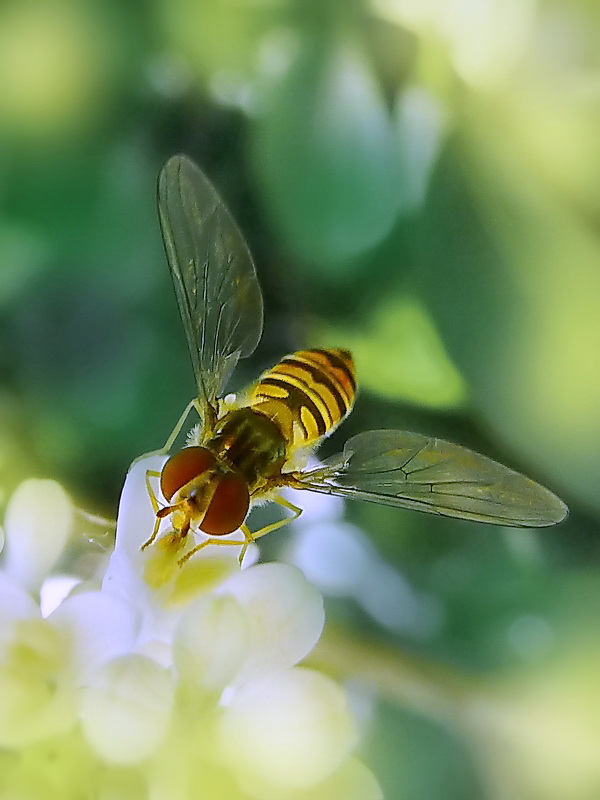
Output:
x=410 y=470
x=217 y=290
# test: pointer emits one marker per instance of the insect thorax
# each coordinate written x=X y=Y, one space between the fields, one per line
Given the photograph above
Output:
x=250 y=443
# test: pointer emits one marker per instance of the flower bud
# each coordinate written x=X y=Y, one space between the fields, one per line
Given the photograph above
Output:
x=126 y=709
x=291 y=730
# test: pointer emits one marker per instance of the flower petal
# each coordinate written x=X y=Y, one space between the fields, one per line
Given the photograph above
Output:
x=97 y=626
x=136 y=517
x=211 y=642
x=35 y=701
x=15 y=604
x=298 y=725
x=284 y=615
x=126 y=709
x=38 y=522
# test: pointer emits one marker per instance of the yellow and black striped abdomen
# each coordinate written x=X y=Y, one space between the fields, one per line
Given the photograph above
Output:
x=307 y=394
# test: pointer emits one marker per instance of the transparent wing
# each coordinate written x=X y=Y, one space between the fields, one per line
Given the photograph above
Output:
x=219 y=298
x=410 y=470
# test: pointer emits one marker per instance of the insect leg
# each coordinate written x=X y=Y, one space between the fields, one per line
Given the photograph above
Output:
x=205 y=543
x=296 y=511
x=151 y=473
x=155 y=507
x=179 y=425
x=174 y=433
x=153 y=535
x=249 y=537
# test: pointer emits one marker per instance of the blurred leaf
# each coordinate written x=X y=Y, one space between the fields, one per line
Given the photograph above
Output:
x=420 y=124
x=79 y=205
x=400 y=355
x=54 y=69
x=22 y=256
x=416 y=759
x=538 y=737
x=556 y=129
x=219 y=39
x=125 y=248
x=511 y=274
x=324 y=151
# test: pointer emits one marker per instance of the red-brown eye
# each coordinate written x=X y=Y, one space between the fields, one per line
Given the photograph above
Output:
x=182 y=467
x=228 y=507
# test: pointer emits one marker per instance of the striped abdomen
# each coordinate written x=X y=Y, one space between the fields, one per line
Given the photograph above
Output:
x=307 y=394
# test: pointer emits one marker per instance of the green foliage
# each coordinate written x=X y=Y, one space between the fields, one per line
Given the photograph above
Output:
x=399 y=355
x=417 y=183
x=325 y=151
x=512 y=279
x=401 y=743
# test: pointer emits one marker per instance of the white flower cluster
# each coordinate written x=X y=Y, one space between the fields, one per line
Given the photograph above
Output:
x=180 y=688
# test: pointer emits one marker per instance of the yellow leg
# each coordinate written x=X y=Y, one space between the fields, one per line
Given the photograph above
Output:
x=249 y=537
x=280 y=522
x=205 y=543
x=151 y=473
x=153 y=535
x=176 y=430
x=155 y=506
x=174 y=433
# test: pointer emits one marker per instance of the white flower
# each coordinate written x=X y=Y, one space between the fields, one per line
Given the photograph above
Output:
x=342 y=561
x=299 y=725
x=167 y=681
x=36 y=505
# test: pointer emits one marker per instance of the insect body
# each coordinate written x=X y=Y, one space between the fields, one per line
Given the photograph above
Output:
x=308 y=394
x=246 y=451
x=242 y=456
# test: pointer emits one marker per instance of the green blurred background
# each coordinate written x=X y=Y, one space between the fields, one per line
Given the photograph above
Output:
x=419 y=182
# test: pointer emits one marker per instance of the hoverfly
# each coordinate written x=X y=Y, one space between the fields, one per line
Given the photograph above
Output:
x=246 y=450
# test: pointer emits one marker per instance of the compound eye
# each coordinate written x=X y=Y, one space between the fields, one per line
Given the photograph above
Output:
x=228 y=506
x=182 y=467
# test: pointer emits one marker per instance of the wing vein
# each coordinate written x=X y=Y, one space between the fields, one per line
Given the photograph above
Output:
x=219 y=298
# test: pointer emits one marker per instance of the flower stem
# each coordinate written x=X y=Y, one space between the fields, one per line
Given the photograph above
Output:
x=405 y=680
